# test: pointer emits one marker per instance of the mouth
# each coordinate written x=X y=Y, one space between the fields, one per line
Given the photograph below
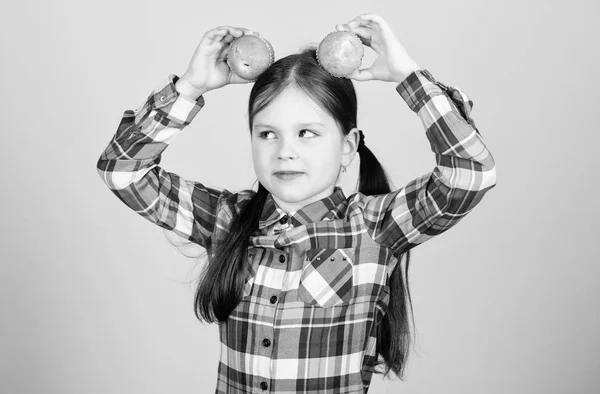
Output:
x=287 y=175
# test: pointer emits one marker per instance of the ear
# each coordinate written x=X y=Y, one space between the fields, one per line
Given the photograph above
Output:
x=350 y=146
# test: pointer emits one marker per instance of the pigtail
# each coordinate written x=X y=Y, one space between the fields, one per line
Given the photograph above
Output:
x=393 y=331
x=372 y=178
x=221 y=284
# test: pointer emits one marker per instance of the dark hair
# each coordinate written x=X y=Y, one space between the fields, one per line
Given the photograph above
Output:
x=221 y=285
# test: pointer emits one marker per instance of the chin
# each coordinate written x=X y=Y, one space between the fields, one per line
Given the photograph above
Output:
x=297 y=191
x=289 y=195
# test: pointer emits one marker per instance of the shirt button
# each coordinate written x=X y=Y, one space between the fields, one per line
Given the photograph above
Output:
x=284 y=219
x=264 y=385
x=266 y=342
x=281 y=258
x=273 y=299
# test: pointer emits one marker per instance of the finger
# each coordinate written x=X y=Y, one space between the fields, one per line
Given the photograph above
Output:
x=223 y=55
x=371 y=20
x=216 y=34
x=358 y=21
x=361 y=75
x=242 y=31
x=239 y=80
x=228 y=38
x=246 y=31
x=230 y=29
x=222 y=31
x=364 y=33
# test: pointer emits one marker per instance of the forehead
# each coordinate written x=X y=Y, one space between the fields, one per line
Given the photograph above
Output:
x=293 y=106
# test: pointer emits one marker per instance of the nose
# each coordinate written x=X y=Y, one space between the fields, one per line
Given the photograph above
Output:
x=287 y=149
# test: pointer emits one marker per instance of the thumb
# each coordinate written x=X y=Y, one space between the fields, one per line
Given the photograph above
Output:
x=236 y=79
x=362 y=75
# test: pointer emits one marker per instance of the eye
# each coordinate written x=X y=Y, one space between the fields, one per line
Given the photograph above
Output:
x=302 y=133
x=265 y=135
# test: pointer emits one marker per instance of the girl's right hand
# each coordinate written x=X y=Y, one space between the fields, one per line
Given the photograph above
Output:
x=208 y=69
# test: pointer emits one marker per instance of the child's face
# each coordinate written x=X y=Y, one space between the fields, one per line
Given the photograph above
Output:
x=298 y=150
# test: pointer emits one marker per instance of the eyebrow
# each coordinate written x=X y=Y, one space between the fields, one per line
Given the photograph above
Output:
x=297 y=124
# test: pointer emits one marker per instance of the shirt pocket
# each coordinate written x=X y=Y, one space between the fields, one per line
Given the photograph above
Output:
x=326 y=279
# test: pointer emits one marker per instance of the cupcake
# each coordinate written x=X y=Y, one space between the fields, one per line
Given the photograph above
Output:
x=249 y=56
x=340 y=53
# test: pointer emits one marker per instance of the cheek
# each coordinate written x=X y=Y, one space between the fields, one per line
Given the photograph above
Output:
x=259 y=157
x=326 y=155
x=332 y=164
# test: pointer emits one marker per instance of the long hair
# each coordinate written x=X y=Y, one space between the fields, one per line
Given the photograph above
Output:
x=220 y=286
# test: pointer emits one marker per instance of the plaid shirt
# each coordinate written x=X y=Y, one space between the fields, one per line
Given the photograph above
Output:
x=319 y=276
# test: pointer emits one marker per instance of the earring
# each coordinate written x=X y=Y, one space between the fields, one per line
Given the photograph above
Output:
x=343 y=168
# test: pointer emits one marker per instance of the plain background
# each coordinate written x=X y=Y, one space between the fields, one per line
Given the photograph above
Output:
x=94 y=299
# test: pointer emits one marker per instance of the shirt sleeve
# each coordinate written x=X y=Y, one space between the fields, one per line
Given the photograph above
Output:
x=130 y=167
x=465 y=170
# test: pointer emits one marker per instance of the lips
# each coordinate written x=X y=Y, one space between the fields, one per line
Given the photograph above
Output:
x=287 y=172
x=287 y=175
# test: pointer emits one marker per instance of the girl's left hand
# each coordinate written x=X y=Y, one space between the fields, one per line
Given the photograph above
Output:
x=393 y=63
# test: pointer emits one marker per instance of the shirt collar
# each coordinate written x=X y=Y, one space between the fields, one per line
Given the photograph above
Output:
x=311 y=213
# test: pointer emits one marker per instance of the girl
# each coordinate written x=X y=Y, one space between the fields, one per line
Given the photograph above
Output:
x=304 y=282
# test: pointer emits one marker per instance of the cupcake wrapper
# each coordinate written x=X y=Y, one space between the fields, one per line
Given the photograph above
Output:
x=267 y=43
x=354 y=37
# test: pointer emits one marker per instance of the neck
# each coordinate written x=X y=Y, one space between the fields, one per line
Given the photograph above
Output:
x=290 y=207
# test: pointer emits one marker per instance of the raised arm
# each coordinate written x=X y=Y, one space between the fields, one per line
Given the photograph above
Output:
x=130 y=166
x=130 y=163
x=465 y=169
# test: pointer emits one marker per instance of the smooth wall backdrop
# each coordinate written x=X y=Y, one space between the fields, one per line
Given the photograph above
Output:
x=95 y=300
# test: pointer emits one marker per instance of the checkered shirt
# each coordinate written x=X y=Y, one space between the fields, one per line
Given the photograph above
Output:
x=318 y=281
